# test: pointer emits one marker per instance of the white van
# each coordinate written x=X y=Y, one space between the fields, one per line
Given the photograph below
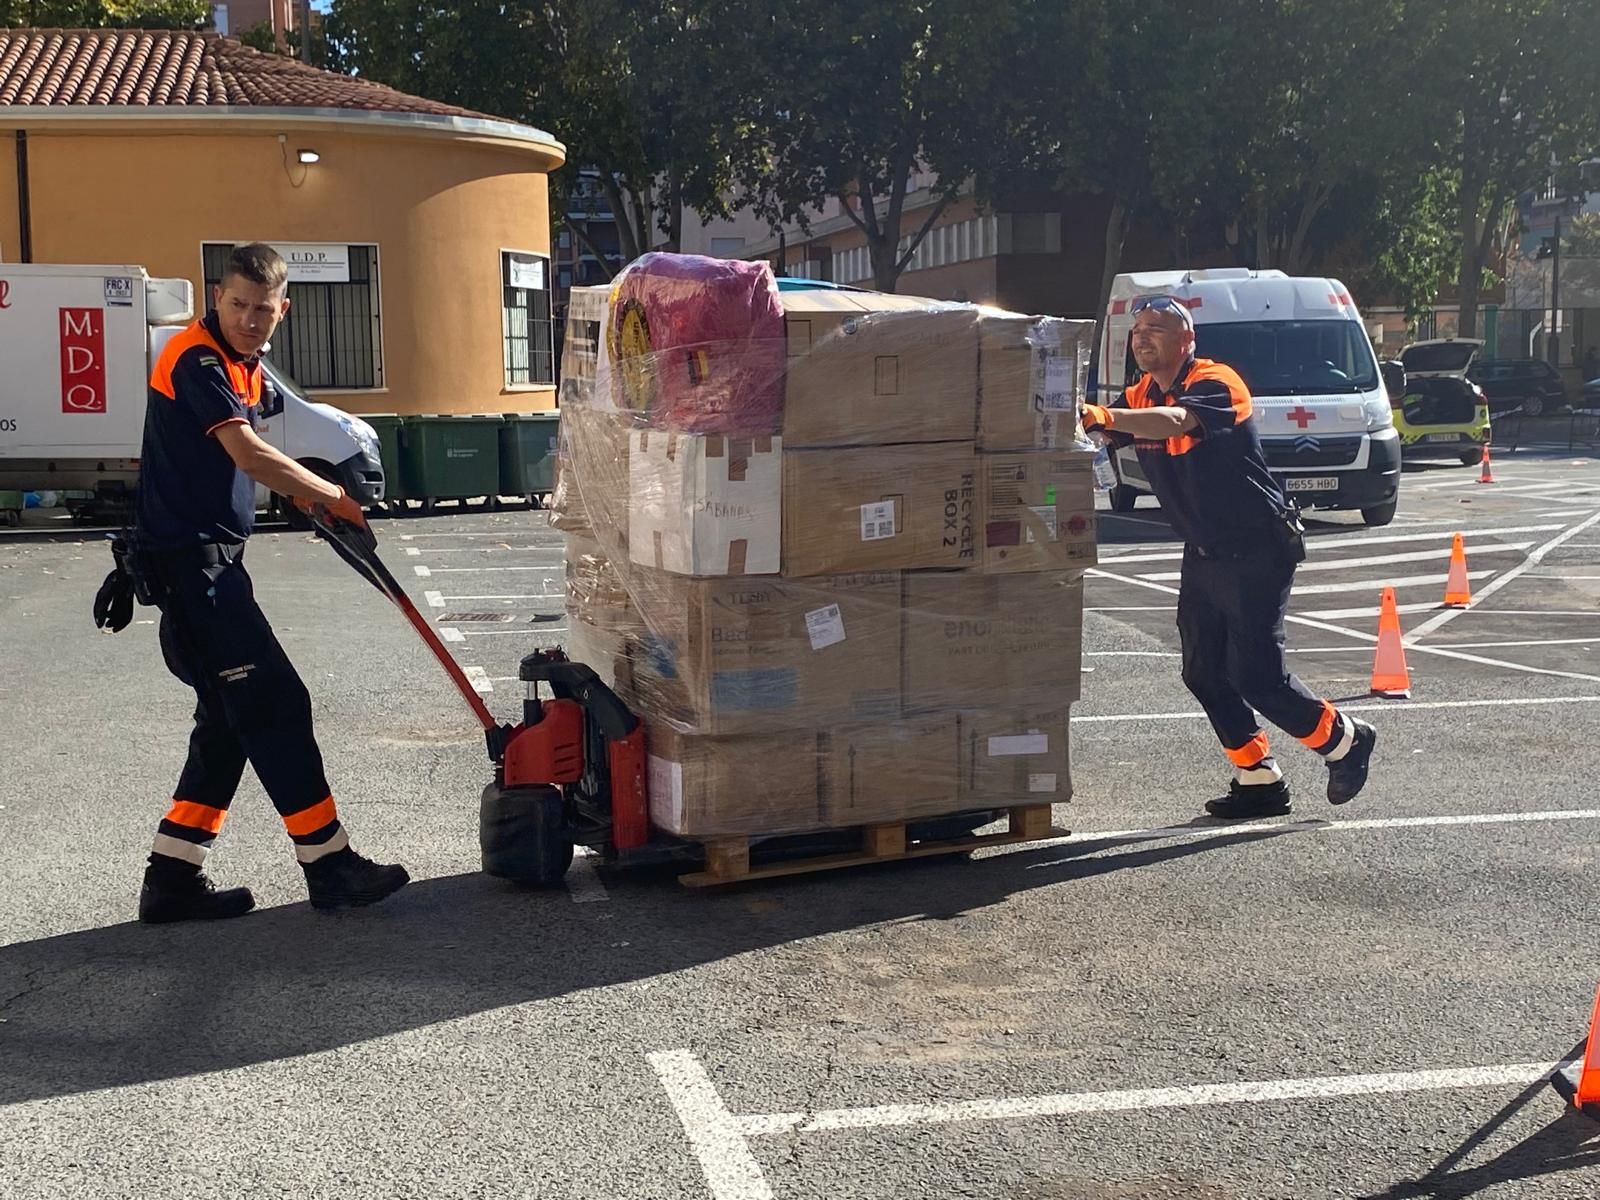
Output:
x=1302 y=350
x=77 y=345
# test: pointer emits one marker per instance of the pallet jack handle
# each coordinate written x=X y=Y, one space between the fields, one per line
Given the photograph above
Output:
x=358 y=546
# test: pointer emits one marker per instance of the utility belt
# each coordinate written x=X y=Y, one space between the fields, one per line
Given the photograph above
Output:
x=151 y=571
x=1284 y=541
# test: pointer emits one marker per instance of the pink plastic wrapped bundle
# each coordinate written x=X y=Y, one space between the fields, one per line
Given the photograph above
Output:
x=698 y=345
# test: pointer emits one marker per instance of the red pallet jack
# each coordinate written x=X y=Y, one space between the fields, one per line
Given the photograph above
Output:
x=572 y=773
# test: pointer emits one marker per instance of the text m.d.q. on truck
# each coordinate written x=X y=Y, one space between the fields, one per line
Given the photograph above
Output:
x=77 y=346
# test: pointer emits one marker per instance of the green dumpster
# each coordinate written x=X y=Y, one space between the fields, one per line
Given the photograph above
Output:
x=528 y=454
x=11 y=507
x=451 y=457
x=397 y=484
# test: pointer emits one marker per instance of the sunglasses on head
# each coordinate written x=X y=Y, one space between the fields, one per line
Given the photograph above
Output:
x=1169 y=304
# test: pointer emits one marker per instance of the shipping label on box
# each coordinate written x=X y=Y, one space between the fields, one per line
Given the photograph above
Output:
x=1032 y=377
x=894 y=771
x=879 y=508
x=704 y=504
x=762 y=653
x=1037 y=511
x=866 y=369
x=1014 y=758
x=1002 y=642
x=705 y=787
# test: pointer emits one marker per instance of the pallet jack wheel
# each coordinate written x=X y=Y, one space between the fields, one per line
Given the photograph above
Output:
x=524 y=834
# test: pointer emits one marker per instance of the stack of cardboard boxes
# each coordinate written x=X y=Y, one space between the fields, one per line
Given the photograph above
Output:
x=871 y=614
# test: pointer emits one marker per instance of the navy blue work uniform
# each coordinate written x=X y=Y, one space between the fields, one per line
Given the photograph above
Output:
x=195 y=510
x=1241 y=545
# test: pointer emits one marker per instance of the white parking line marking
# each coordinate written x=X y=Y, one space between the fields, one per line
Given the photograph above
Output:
x=451 y=634
x=524 y=632
x=413 y=551
x=1377 y=560
x=434 y=599
x=422 y=572
x=1170 y=832
x=1321 y=542
x=1130 y=607
x=582 y=881
x=1328 y=1087
x=535 y=596
x=479 y=678
x=481 y=570
x=1375 y=586
x=1563 y=578
x=1372 y=637
x=1533 y=560
x=1333 y=614
x=715 y=1135
x=1396 y=707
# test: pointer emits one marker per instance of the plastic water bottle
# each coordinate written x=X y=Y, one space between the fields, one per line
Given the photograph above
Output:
x=1105 y=475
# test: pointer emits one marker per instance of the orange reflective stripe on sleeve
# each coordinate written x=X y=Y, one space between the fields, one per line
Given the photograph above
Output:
x=1251 y=753
x=1238 y=394
x=1324 y=730
x=161 y=376
x=197 y=816
x=309 y=820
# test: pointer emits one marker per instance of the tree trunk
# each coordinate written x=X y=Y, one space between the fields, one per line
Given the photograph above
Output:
x=1263 y=236
x=1111 y=264
x=1471 y=263
x=619 y=212
x=1294 y=260
x=589 y=243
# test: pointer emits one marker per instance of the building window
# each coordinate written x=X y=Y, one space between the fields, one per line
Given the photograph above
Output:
x=726 y=247
x=525 y=318
x=332 y=335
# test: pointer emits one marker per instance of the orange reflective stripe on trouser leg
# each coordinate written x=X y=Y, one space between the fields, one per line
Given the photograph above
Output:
x=308 y=820
x=197 y=816
x=1319 y=737
x=1251 y=754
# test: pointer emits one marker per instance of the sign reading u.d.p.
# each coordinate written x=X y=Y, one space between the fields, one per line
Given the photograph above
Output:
x=83 y=360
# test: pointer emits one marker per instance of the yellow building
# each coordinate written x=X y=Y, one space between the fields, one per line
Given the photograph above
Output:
x=418 y=233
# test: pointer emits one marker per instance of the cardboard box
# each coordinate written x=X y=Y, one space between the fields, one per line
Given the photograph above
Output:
x=880 y=508
x=895 y=771
x=1032 y=376
x=605 y=650
x=706 y=787
x=867 y=369
x=757 y=654
x=704 y=504
x=1014 y=758
x=580 y=346
x=592 y=473
x=992 y=641
x=1037 y=511
x=596 y=590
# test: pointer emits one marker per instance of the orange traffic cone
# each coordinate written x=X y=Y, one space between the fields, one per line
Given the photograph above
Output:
x=1390 y=678
x=1580 y=1083
x=1457 y=590
x=1486 y=475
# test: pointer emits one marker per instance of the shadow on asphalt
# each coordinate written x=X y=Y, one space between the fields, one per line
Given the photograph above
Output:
x=130 y=1004
x=1569 y=1143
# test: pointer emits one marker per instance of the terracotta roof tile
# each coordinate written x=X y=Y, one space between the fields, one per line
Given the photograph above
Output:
x=62 y=67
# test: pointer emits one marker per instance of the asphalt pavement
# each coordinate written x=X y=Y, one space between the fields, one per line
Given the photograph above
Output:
x=1355 y=1002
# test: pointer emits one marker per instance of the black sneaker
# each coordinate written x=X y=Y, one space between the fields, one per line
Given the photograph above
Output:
x=344 y=879
x=1245 y=800
x=188 y=896
x=1348 y=776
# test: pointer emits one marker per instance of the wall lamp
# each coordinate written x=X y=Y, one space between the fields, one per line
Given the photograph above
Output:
x=307 y=157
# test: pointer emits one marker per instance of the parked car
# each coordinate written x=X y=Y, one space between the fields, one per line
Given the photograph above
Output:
x=1438 y=411
x=1530 y=384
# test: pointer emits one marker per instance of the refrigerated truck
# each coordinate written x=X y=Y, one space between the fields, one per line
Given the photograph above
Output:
x=77 y=345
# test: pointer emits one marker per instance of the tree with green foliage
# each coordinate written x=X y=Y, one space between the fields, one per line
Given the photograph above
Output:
x=851 y=101
x=1516 y=83
x=1581 y=238
x=105 y=14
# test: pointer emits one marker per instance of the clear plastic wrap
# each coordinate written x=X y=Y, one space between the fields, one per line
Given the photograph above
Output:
x=829 y=544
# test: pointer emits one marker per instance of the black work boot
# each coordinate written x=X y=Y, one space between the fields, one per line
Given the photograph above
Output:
x=1246 y=800
x=1348 y=775
x=181 y=892
x=344 y=879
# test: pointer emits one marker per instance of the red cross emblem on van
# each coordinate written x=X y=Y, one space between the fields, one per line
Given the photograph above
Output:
x=1301 y=416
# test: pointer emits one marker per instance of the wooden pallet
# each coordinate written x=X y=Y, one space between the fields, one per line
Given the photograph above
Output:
x=728 y=859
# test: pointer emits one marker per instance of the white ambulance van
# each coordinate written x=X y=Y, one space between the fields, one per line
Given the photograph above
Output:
x=1318 y=390
x=77 y=345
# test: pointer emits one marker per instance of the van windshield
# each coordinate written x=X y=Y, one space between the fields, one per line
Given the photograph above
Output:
x=1293 y=358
